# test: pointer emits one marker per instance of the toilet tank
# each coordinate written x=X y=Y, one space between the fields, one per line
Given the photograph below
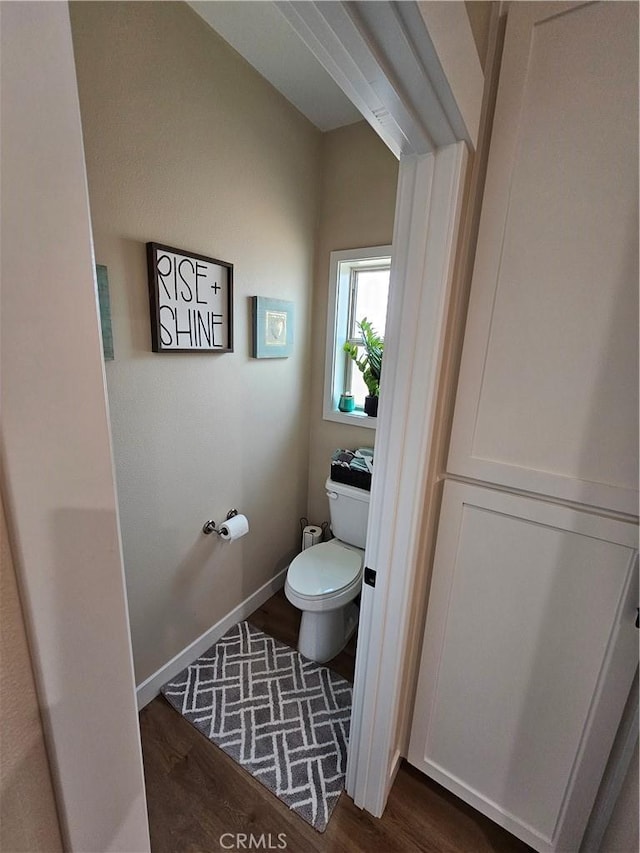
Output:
x=349 y=508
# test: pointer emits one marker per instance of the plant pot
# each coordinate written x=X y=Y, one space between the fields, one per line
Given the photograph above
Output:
x=371 y=406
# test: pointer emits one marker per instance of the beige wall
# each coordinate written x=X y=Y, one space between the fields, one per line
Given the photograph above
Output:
x=357 y=207
x=479 y=12
x=186 y=145
x=28 y=818
x=57 y=466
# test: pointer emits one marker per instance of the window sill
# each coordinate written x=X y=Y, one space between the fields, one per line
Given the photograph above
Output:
x=358 y=419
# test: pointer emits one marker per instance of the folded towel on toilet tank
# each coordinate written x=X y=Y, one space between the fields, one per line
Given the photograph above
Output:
x=353 y=467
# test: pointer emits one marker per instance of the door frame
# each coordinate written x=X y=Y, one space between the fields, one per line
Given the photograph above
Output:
x=413 y=71
x=428 y=212
x=429 y=204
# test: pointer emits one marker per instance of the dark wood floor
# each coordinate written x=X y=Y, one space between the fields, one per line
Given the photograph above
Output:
x=196 y=793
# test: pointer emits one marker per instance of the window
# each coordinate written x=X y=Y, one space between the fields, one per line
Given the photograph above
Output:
x=358 y=287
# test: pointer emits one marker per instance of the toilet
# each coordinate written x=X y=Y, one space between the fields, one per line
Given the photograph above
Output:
x=324 y=580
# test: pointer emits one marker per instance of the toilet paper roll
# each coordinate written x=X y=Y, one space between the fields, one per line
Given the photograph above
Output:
x=234 y=528
x=311 y=535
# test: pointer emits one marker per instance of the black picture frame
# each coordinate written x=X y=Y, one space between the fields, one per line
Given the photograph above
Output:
x=190 y=300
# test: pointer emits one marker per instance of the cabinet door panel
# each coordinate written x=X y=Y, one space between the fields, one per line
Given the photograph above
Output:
x=530 y=624
x=548 y=393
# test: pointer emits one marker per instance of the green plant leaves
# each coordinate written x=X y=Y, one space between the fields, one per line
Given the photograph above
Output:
x=370 y=363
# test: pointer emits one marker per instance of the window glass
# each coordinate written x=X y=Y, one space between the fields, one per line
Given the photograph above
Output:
x=371 y=296
x=358 y=288
x=369 y=293
x=355 y=384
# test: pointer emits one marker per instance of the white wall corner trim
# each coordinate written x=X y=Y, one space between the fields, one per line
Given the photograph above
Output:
x=427 y=219
x=150 y=688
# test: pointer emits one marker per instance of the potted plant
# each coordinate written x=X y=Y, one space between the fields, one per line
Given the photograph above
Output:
x=369 y=363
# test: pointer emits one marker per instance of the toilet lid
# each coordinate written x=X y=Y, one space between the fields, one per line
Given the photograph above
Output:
x=324 y=568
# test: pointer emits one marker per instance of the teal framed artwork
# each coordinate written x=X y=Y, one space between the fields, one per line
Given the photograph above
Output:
x=273 y=321
x=105 y=311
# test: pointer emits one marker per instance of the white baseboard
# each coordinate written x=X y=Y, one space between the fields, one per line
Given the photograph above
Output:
x=150 y=688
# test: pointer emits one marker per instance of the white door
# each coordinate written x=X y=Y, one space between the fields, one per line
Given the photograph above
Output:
x=548 y=393
x=530 y=645
x=529 y=653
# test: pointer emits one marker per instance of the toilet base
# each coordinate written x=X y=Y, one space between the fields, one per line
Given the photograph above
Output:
x=325 y=633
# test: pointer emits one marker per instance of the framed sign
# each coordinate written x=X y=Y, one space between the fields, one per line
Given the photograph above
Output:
x=191 y=301
x=272 y=327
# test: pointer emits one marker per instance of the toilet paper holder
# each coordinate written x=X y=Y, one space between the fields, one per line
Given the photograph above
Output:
x=210 y=526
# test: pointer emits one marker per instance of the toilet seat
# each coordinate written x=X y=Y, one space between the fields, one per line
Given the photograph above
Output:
x=325 y=571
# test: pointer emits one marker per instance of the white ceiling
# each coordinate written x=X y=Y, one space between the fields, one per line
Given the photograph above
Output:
x=264 y=37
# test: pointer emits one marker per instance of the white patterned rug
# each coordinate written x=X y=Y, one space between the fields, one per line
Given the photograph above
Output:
x=284 y=718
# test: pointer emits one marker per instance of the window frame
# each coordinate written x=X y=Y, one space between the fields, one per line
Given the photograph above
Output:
x=341 y=267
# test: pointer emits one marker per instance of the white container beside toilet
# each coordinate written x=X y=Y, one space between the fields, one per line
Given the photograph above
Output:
x=323 y=580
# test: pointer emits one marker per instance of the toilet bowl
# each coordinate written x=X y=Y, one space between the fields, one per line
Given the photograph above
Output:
x=324 y=580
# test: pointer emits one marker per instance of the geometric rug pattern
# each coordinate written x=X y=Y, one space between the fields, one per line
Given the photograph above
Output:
x=282 y=717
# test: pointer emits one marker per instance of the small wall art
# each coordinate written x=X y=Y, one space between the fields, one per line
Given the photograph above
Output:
x=105 y=311
x=272 y=327
x=191 y=301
